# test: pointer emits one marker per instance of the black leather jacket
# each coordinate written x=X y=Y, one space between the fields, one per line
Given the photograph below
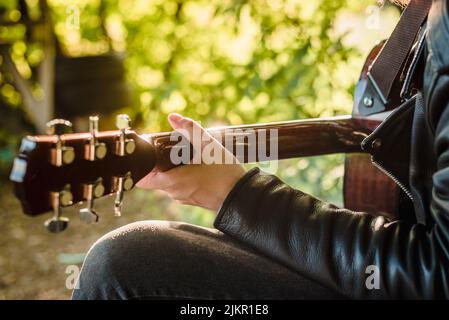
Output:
x=335 y=246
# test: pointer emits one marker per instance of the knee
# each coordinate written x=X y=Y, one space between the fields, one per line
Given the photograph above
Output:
x=122 y=256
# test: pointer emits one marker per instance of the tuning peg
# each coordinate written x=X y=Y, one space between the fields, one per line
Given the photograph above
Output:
x=94 y=150
x=59 y=200
x=56 y=225
x=60 y=154
x=123 y=122
x=91 y=191
x=120 y=185
x=59 y=127
x=124 y=146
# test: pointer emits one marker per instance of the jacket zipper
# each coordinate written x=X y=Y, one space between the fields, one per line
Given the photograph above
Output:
x=391 y=176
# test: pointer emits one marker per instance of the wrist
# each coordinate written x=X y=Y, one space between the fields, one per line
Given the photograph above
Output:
x=228 y=184
x=247 y=174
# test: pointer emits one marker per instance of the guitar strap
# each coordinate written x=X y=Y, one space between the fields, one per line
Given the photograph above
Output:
x=384 y=73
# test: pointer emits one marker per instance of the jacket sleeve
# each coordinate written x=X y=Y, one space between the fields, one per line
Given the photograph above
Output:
x=340 y=248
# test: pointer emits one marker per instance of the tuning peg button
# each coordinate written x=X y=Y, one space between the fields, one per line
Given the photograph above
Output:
x=59 y=127
x=59 y=200
x=57 y=225
x=91 y=191
x=60 y=154
x=120 y=185
x=89 y=216
x=124 y=146
x=123 y=122
x=94 y=150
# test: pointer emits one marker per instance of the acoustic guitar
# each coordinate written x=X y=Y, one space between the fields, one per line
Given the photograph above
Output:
x=62 y=169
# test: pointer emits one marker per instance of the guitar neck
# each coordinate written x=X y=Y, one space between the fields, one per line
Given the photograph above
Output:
x=299 y=138
x=36 y=177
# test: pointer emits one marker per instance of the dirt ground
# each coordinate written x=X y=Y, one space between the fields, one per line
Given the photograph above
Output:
x=33 y=262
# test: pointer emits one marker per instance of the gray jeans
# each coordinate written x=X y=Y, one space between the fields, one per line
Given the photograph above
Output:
x=172 y=260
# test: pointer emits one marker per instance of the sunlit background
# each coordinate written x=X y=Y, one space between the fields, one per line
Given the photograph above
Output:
x=223 y=62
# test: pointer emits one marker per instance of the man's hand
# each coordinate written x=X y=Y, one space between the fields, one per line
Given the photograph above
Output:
x=203 y=185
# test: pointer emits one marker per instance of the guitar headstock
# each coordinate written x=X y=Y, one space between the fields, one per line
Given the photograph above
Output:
x=61 y=169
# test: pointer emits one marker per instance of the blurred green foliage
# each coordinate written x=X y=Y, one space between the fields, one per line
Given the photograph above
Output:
x=227 y=62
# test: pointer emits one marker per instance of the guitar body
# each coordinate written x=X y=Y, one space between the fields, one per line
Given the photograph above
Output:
x=365 y=187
